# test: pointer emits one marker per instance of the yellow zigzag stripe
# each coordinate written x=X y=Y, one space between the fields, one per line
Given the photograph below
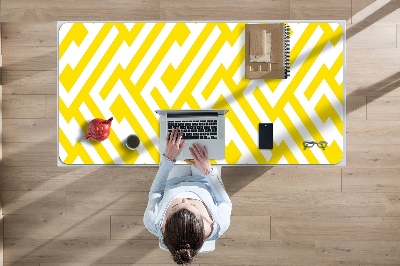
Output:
x=77 y=34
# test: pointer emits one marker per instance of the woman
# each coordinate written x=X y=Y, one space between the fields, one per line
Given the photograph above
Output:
x=185 y=209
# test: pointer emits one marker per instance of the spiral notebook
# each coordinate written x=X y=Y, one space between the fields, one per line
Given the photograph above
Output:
x=267 y=51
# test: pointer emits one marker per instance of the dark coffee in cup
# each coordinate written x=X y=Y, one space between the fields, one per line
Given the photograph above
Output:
x=132 y=142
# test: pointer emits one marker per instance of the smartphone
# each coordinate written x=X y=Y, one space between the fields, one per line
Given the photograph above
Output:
x=265 y=136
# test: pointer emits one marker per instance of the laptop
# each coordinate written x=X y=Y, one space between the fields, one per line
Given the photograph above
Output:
x=204 y=127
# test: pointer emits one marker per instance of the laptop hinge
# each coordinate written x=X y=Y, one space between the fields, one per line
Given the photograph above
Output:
x=191 y=114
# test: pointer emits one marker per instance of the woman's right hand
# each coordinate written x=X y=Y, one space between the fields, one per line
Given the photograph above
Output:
x=200 y=157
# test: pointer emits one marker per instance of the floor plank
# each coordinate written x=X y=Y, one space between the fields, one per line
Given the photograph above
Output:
x=51 y=226
x=384 y=36
x=297 y=179
x=224 y=10
x=324 y=9
x=393 y=204
x=335 y=228
x=364 y=80
x=112 y=264
x=40 y=10
x=16 y=34
x=359 y=6
x=30 y=58
x=369 y=12
x=370 y=155
x=78 y=179
x=363 y=252
x=51 y=106
x=384 y=108
x=249 y=227
x=356 y=108
x=33 y=202
x=30 y=154
x=30 y=82
x=378 y=180
x=373 y=131
x=21 y=264
x=107 y=203
x=128 y=227
x=24 y=106
x=29 y=130
x=309 y=204
x=147 y=251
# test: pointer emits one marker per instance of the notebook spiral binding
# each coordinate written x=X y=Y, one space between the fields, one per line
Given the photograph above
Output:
x=287 y=50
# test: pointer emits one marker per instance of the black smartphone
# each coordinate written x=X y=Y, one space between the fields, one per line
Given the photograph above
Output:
x=265 y=136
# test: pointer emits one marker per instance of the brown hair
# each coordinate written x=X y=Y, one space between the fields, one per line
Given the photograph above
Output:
x=184 y=235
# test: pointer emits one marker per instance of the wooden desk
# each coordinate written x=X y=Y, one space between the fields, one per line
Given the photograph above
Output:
x=129 y=70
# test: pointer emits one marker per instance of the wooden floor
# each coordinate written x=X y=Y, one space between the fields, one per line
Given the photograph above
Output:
x=281 y=215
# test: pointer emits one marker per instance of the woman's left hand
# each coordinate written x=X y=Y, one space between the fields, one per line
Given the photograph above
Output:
x=174 y=144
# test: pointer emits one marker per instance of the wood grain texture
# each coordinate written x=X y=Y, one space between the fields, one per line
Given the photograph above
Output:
x=384 y=36
x=51 y=107
x=112 y=264
x=29 y=130
x=369 y=155
x=335 y=228
x=15 y=34
x=79 y=179
x=86 y=250
x=50 y=226
x=30 y=82
x=356 y=108
x=275 y=179
x=33 y=202
x=249 y=227
x=393 y=204
x=30 y=154
x=224 y=10
x=358 y=6
x=21 y=264
x=2 y=238
x=373 y=132
x=364 y=80
x=384 y=108
x=1 y=156
x=381 y=180
x=147 y=251
x=363 y=252
x=42 y=10
x=309 y=204
x=324 y=9
x=369 y=12
x=107 y=203
x=30 y=58
x=129 y=227
x=24 y=106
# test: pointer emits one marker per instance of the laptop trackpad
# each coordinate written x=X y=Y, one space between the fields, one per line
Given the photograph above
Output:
x=210 y=145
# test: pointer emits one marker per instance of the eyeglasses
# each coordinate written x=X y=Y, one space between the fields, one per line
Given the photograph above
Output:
x=310 y=144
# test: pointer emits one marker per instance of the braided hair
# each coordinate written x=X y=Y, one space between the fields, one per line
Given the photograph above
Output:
x=184 y=235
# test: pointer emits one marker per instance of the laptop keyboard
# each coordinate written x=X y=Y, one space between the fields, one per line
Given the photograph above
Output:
x=196 y=129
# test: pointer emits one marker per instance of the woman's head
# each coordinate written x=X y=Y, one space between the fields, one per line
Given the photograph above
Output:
x=184 y=235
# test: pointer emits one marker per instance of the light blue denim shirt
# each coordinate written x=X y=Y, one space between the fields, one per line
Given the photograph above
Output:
x=209 y=188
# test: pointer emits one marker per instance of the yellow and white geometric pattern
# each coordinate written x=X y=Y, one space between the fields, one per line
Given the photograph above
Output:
x=129 y=70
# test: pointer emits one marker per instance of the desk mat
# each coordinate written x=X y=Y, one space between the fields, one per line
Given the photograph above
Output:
x=129 y=70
